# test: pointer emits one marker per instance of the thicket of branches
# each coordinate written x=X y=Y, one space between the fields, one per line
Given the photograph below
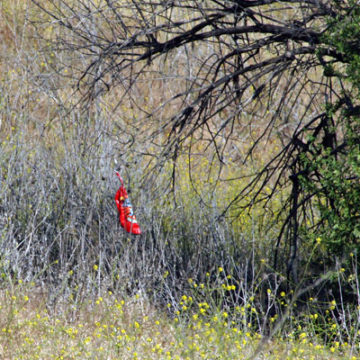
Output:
x=253 y=72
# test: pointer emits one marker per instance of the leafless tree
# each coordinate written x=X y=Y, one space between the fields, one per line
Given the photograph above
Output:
x=226 y=72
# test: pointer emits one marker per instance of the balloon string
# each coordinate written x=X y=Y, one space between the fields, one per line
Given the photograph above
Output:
x=119 y=176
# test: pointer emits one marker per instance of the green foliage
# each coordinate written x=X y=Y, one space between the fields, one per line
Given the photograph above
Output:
x=331 y=169
x=343 y=34
x=341 y=213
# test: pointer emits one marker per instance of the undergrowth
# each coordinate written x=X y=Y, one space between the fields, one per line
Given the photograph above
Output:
x=195 y=285
x=115 y=327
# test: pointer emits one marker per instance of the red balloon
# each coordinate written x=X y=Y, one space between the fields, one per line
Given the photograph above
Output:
x=126 y=216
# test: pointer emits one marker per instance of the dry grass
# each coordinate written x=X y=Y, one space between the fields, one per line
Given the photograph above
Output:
x=73 y=285
x=129 y=328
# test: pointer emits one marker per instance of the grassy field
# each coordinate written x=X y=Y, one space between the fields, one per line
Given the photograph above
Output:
x=73 y=285
x=112 y=327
